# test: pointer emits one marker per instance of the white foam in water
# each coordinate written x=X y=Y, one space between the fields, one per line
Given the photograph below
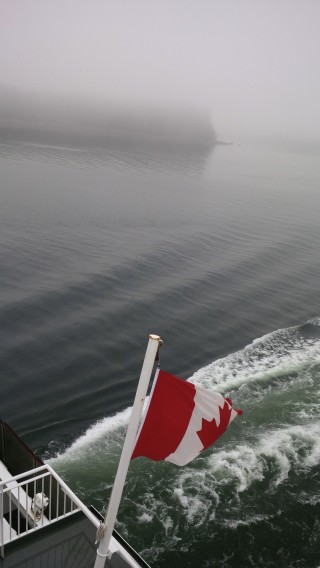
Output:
x=269 y=460
x=145 y=518
x=97 y=432
x=151 y=508
x=249 y=520
x=232 y=473
x=277 y=353
x=272 y=355
x=101 y=428
x=292 y=447
x=196 y=494
x=92 y=437
x=315 y=321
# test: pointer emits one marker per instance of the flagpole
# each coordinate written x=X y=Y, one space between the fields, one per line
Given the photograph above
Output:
x=128 y=446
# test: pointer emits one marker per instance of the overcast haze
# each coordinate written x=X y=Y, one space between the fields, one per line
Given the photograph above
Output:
x=253 y=63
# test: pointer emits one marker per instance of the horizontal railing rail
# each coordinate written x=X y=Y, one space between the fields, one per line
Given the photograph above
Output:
x=35 y=499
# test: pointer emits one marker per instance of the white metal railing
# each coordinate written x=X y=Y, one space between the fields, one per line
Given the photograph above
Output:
x=35 y=499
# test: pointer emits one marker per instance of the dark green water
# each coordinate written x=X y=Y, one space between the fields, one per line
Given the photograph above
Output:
x=212 y=252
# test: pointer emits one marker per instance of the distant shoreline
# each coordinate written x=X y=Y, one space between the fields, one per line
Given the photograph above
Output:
x=41 y=132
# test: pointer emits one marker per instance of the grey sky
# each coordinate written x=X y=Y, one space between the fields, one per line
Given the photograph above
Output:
x=254 y=63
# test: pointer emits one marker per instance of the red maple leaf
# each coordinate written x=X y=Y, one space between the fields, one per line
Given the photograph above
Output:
x=210 y=432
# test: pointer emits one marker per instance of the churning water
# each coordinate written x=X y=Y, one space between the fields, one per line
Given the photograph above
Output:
x=219 y=254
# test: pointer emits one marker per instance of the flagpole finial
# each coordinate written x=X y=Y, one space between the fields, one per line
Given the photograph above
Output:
x=155 y=337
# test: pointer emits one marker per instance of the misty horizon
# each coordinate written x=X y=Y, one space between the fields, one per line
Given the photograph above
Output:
x=250 y=65
x=38 y=117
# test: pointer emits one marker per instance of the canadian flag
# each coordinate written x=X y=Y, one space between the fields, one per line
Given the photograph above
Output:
x=181 y=420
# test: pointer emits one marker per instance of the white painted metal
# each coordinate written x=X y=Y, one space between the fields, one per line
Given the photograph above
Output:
x=18 y=496
x=8 y=531
x=15 y=490
x=146 y=371
x=20 y=501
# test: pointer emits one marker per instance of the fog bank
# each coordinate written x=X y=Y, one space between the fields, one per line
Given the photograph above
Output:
x=252 y=64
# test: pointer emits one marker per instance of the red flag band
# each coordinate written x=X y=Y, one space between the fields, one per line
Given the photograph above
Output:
x=181 y=420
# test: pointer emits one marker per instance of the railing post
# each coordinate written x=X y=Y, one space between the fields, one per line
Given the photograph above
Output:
x=1 y=523
x=15 y=495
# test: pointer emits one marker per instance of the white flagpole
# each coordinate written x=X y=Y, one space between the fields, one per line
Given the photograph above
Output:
x=128 y=446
